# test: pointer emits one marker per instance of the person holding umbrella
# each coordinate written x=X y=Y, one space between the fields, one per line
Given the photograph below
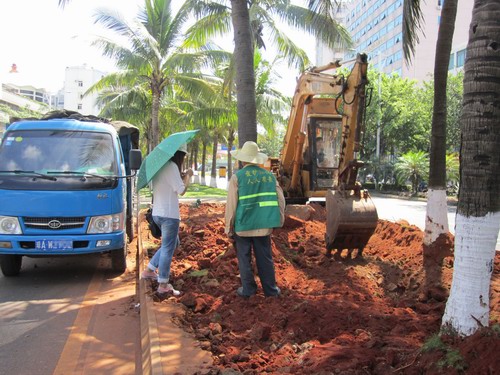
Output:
x=255 y=205
x=168 y=183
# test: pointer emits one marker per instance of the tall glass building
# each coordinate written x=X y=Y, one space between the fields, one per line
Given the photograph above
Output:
x=376 y=27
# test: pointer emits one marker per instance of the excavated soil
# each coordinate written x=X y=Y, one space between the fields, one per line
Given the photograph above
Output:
x=336 y=315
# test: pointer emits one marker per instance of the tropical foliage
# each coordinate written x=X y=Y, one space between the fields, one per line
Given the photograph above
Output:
x=412 y=167
x=254 y=22
x=148 y=50
x=405 y=117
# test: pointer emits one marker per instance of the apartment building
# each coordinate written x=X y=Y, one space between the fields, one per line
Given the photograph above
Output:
x=376 y=27
x=78 y=79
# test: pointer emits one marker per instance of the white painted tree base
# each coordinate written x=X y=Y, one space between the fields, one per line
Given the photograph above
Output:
x=436 y=218
x=469 y=301
x=213 y=182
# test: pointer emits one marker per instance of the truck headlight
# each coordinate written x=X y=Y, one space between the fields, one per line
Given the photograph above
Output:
x=106 y=224
x=10 y=225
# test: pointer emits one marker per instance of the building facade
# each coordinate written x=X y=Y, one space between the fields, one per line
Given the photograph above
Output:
x=77 y=80
x=376 y=27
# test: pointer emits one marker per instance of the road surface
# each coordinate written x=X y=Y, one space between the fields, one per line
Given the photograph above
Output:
x=68 y=315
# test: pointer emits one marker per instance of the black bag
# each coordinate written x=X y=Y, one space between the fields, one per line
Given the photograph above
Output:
x=153 y=227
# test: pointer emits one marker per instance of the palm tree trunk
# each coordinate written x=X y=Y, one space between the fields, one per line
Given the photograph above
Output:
x=245 y=76
x=196 y=147
x=436 y=222
x=203 y=161
x=155 y=128
x=213 y=175
x=478 y=213
x=230 y=142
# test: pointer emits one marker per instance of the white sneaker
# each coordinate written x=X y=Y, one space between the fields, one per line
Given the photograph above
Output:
x=164 y=288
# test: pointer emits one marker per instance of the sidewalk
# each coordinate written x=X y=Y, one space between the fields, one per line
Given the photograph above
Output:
x=166 y=348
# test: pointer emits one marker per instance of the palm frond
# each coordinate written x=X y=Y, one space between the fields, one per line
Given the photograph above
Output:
x=208 y=27
x=323 y=26
x=413 y=24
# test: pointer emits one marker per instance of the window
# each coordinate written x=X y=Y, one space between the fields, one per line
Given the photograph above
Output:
x=81 y=96
x=80 y=83
x=451 y=65
x=80 y=106
x=460 y=58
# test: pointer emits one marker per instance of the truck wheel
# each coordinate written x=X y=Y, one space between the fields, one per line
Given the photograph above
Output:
x=131 y=223
x=119 y=259
x=11 y=264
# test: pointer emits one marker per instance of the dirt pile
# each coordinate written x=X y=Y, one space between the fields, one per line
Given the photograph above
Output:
x=343 y=316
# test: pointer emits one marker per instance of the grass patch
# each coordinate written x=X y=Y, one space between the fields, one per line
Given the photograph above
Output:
x=451 y=357
x=193 y=191
x=434 y=343
x=454 y=360
x=202 y=191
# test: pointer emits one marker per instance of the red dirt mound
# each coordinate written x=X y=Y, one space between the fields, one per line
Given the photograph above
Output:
x=368 y=315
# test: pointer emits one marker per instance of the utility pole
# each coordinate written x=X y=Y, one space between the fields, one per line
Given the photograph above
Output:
x=380 y=70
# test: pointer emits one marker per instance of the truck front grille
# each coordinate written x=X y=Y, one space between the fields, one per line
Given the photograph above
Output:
x=54 y=223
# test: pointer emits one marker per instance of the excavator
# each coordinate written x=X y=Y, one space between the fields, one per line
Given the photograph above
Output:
x=320 y=151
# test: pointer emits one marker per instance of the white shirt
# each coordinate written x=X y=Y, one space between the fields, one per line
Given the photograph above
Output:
x=167 y=185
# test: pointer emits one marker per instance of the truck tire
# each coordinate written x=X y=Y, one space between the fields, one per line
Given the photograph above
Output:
x=131 y=225
x=11 y=264
x=133 y=210
x=119 y=258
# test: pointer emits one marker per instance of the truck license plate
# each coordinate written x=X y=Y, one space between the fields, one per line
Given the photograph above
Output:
x=53 y=244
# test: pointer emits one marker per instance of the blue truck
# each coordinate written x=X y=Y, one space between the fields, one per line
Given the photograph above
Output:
x=67 y=186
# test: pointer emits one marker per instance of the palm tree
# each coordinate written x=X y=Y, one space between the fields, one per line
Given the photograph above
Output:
x=436 y=219
x=413 y=24
x=478 y=213
x=251 y=21
x=412 y=166
x=151 y=55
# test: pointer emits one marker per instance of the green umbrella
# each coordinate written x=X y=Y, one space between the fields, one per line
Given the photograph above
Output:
x=160 y=155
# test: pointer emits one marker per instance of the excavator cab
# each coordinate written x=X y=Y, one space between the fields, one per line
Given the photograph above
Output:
x=325 y=138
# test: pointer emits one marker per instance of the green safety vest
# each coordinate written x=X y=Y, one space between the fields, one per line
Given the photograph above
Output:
x=258 y=206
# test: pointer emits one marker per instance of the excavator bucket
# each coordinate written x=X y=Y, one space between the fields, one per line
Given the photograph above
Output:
x=351 y=220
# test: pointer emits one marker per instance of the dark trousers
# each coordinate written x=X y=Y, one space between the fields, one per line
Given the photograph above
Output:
x=265 y=266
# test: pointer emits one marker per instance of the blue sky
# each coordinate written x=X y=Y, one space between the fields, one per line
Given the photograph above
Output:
x=42 y=40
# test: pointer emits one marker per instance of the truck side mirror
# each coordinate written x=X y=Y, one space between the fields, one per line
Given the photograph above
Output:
x=135 y=159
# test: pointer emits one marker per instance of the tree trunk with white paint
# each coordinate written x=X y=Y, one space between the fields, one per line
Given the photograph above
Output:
x=478 y=213
x=436 y=221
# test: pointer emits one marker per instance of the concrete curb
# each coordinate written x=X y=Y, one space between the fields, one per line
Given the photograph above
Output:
x=150 y=340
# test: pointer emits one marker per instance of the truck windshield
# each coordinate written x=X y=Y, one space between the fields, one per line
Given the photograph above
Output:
x=76 y=159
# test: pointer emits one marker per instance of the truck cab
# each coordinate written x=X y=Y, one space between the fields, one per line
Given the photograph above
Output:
x=65 y=189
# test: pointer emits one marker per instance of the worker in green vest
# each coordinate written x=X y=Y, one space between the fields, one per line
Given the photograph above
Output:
x=255 y=205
